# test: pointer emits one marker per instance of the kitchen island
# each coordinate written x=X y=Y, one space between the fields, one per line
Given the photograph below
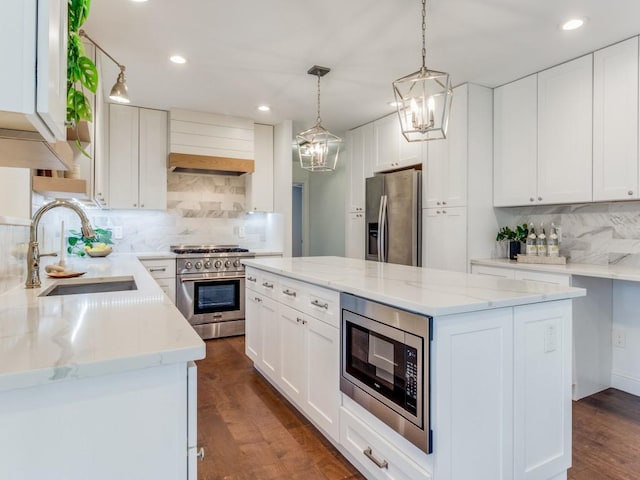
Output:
x=500 y=363
x=97 y=385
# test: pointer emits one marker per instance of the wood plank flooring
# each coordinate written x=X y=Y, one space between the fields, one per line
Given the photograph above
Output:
x=250 y=432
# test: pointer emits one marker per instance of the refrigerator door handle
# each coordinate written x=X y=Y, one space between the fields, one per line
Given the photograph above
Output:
x=380 y=227
x=383 y=230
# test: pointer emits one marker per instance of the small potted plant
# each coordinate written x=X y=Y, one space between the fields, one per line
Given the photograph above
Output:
x=514 y=237
x=78 y=243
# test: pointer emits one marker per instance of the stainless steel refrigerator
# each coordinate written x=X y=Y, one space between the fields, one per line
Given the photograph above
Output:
x=393 y=210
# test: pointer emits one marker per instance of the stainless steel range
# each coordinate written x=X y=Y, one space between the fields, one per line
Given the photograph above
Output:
x=210 y=288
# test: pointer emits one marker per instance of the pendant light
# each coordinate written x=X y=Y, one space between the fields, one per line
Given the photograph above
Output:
x=318 y=148
x=423 y=99
x=119 y=92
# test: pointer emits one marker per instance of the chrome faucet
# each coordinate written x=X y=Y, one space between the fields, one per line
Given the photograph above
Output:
x=33 y=254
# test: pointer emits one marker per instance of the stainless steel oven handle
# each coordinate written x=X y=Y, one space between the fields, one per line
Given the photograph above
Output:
x=379 y=463
x=319 y=304
x=163 y=269
x=198 y=279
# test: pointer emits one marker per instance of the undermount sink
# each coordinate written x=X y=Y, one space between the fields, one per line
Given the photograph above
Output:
x=90 y=285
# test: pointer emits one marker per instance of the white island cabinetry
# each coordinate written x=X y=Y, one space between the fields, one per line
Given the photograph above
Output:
x=500 y=400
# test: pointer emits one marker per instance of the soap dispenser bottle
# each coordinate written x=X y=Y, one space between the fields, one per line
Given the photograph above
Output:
x=532 y=246
x=542 y=242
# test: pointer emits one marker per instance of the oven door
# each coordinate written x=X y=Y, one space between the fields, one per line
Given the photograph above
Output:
x=209 y=298
x=385 y=362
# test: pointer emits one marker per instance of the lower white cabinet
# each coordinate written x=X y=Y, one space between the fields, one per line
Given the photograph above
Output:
x=444 y=238
x=355 y=235
x=297 y=349
x=164 y=273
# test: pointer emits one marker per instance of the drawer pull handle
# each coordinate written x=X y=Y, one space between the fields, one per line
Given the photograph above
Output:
x=267 y=285
x=298 y=319
x=251 y=279
x=257 y=299
x=319 y=304
x=289 y=292
x=379 y=463
x=163 y=269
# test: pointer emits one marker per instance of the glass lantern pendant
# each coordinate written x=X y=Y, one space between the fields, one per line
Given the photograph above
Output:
x=318 y=148
x=423 y=99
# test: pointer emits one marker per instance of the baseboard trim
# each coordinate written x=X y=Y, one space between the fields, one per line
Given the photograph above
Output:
x=625 y=383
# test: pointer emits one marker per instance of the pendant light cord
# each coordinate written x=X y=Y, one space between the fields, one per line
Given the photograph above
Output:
x=318 y=120
x=424 y=30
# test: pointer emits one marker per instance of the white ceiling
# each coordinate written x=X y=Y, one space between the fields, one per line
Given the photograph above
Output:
x=243 y=53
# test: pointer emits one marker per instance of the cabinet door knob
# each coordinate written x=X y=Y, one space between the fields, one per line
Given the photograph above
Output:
x=438 y=203
x=135 y=204
x=444 y=212
x=142 y=205
x=539 y=199
x=531 y=199
x=437 y=212
x=630 y=192
x=444 y=203
x=200 y=454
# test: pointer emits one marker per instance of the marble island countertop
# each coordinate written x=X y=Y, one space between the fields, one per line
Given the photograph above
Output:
x=427 y=291
x=614 y=272
x=49 y=339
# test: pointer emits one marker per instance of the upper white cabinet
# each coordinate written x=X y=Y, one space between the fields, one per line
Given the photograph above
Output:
x=33 y=47
x=543 y=137
x=392 y=151
x=137 y=158
x=565 y=132
x=615 y=122
x=445 y=166
x=259 y=184
x=515 y=142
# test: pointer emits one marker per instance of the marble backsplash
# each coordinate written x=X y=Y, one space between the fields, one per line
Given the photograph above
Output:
x=13 y=248
x=602 y=234
x=200 y=209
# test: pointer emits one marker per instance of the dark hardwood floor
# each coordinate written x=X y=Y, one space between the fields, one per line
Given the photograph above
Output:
x=250 y=432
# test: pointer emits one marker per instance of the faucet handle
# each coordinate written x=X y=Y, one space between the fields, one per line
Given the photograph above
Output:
x=52 y=254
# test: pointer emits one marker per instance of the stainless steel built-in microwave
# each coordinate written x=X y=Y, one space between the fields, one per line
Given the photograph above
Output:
x=385 y=365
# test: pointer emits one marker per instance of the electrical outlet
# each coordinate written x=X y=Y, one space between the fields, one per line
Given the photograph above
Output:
x=619 y=338
x=550 y=339
x=117 y=232
x=241 y=232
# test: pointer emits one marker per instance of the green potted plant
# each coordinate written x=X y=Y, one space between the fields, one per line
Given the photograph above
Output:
x=76 y=242
x=81 y=71
x=514 y=237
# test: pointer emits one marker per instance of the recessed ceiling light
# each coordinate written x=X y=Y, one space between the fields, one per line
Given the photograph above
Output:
x=264 y=108
x=572 y=24
x=178 y=59
x=139 y=1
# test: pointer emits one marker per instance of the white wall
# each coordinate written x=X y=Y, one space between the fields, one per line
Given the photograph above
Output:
x=327 y=200
x=282 y=158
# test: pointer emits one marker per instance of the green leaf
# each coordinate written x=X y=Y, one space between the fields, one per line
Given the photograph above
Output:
x=88 y=73
x=78 y=13
x=69 y=249
x=72 y=240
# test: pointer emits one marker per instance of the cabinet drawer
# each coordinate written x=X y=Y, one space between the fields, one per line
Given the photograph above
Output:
x=555 y=278
x=168 y=286
x=165 y=268
x=251 y=279
x=267 y=284
x=322 y=304
x=291 y=292
x=492 y=271
x=379 y=458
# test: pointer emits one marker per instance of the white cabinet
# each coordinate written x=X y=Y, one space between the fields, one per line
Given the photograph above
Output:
x=164 y=273
x=493 y=271
x=292 y=360
x=542 y=390
x=33 y=85
x=253 y=326
x=445 y=165
x=545 y=277
x=444 y=238
x=392 y=151
x=137 y=158
x=259 y=184
x=460 y=223
x=565 y=132
x=515 y=137
x=355 y=236
x=615 y=122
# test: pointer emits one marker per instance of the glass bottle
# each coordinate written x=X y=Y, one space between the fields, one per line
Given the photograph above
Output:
x=541 y=241
x=553 y=246
x=532 y=247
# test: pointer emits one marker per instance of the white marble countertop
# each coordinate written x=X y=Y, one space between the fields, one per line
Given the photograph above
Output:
x=615 y=272
x=422 y=290
x=52 y=339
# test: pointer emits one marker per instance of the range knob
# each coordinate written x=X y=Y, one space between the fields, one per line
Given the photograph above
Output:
x=236 y=263
x=198 y=265
x=188 y=265
x=218 y=264
x=227 y=263
x=207 y=264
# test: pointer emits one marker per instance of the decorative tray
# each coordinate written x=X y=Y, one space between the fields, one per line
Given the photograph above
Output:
x=544 y=260
x=65 y=274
